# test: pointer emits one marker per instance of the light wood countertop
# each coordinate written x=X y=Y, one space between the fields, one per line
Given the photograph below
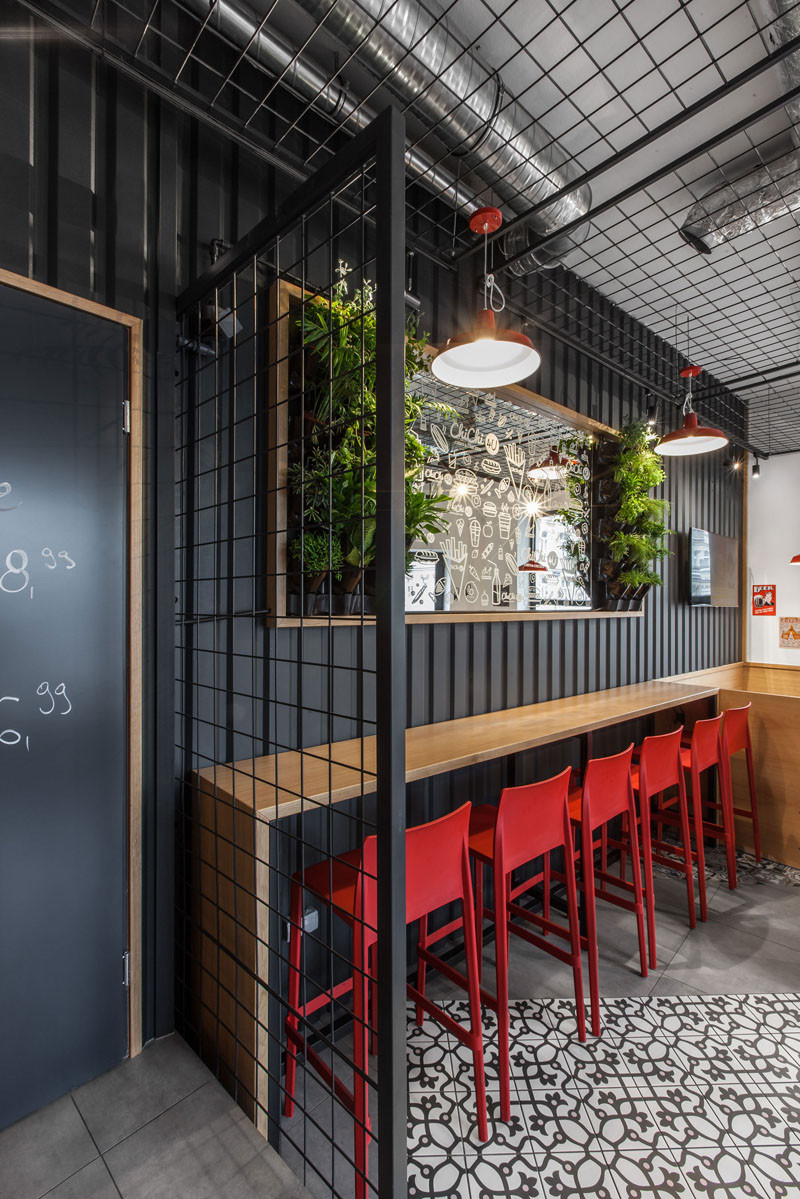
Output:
x=285 y=784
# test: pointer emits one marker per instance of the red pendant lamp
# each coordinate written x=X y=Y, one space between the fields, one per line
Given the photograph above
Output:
x=795 y=560
x=486 y=357
x=531 y=565
x=692 y=437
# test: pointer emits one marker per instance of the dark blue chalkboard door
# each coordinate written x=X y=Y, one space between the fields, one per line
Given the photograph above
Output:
x=63 y=699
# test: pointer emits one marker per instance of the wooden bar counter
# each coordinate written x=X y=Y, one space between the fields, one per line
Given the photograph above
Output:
x=236 y=806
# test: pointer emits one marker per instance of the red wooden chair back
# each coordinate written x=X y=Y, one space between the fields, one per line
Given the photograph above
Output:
x=735 y=730
x=532 y=820
x=607 y=790
x=660 y=763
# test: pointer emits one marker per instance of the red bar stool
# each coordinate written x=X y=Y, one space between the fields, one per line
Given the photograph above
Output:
x=735 y=737
x=529 y=822
x=704 y=753
x=660 y=769
x=606 y=794
x=437 y=874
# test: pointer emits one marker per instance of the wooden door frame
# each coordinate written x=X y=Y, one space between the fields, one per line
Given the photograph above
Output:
x=135 y=572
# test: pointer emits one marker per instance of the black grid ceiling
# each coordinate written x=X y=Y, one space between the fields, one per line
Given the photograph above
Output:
x=596 y=75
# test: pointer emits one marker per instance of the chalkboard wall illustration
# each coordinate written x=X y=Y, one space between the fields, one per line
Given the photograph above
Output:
x=518 y=517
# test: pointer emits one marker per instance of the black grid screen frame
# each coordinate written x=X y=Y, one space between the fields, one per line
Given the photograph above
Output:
x=284 y=757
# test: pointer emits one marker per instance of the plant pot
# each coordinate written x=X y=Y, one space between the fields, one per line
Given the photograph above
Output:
x=362 y=605
x=638 y=597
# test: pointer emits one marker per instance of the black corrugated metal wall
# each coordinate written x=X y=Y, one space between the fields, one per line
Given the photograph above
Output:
x=108 y=192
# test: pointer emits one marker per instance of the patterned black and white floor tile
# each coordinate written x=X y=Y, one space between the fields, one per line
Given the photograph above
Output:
x=681 y=1096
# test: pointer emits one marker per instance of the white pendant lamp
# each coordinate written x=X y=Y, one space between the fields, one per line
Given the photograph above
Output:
x=691 y=437
x=486 y=357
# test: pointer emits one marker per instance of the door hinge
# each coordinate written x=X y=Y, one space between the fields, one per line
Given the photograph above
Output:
x=126 y=969
x=126 y=416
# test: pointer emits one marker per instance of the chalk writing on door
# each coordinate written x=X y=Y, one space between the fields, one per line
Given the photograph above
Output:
x=50 y=699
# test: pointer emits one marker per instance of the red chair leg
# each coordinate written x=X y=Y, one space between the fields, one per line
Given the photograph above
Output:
x=473 y=990
x=575 y=943
x=647 y=854
x=725 y=788
x=623 y=856
x=683 y=809
x=373 y=1011
x=753 y=803
x=587 y=866
x=636 y=865
x=697 y=813
x=361 y=985
x=295 y=918
x=546 y=890
x=501 y=959
x=479 y=915
x=421 y=970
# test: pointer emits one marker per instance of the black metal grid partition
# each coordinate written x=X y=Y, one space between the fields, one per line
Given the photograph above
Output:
x=289 y=625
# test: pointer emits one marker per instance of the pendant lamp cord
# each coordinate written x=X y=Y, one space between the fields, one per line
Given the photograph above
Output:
x=491 y=288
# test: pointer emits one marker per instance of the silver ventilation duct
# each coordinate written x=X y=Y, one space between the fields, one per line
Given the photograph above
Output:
x=782 y=18
x=770 y=191
x=740 y=207
x=445 y=86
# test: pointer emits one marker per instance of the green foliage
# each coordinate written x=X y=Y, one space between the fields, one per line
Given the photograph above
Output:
x=336 y=484
x=639 y=539
x=319 y=554
x=639 y=578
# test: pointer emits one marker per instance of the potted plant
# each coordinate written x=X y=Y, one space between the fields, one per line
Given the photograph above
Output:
x=320 y=558
x=637 y=517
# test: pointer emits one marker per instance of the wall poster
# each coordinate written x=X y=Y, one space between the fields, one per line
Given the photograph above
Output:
x=518 y=521
x=764 y=603
x=789 y=636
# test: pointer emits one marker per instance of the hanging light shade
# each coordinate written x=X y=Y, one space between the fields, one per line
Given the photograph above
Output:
x=531 y=565
x=551 y=467
x=486 y=357
x=795 y=560
x=692 y=437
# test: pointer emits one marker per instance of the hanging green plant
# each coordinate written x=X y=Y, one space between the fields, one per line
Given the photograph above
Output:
x=336 y=483
x=639 y=538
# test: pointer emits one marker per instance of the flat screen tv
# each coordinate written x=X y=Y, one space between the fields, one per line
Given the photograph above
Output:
x=713 y=569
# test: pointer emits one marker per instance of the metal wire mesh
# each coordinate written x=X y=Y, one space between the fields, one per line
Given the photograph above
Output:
x=276 y=681
x=607 y=91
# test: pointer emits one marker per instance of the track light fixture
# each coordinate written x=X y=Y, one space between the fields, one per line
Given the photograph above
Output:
x=756 y=469
x=486 y=357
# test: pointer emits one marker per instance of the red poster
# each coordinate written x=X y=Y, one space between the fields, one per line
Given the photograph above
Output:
x=764 y=599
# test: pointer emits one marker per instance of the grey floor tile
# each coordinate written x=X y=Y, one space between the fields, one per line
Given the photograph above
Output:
x=92 y=1182
x=723 y=959
x=202 y=1148
x=39 y=1152
x=135 y=1092
x=765 y=911
x=665 y=984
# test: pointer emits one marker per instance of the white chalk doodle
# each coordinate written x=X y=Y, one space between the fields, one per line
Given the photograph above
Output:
x=5 y=490
x=438 y=436
x=455 y=560
x=515 y=460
